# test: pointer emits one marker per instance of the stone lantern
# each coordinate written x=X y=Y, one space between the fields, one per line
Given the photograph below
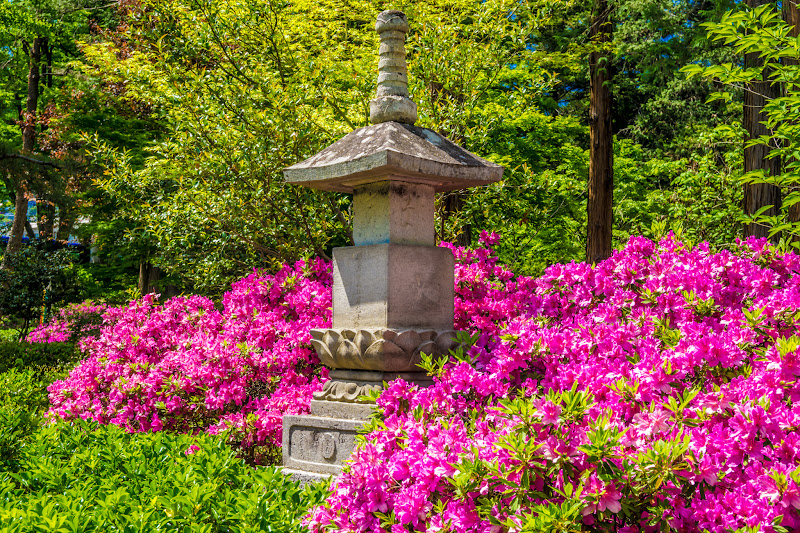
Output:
x=393 y=291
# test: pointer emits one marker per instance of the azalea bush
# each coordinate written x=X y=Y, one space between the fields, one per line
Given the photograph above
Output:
x=186 y=366
x=656 y=391
x=71 y=323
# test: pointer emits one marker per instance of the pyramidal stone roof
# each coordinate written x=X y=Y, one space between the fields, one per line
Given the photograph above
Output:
x=393 y=151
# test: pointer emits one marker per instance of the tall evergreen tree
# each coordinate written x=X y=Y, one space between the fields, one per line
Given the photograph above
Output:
x=756 y=156
x=601 y=159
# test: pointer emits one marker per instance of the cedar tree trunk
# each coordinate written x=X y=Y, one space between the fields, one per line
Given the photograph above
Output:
x=791 y=14
x=148 y=277
x=756 y=95
x=601 y=151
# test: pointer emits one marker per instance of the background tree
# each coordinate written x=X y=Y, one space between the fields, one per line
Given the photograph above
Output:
x=202 y=198
x=763 y=32
x=600 y=208
x=759 y=197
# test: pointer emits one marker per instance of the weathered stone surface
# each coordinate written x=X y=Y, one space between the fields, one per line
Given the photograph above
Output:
x=355 y=392
x=392 y=108
x=381 y=349
x=393 y=291
x=391 y=151
x=394 y=213
x=318 y=444
x=336 y=409
x=305 y=478
x=392 y=102
x=393 y=286
x=347 y=386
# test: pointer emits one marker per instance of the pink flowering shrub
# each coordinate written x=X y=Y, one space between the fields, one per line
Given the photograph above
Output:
x=72 y=323
x=655 y=391
x=186 y=366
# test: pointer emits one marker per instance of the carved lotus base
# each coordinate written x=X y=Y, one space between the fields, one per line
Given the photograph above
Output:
x=351 y=386
x=380 y=349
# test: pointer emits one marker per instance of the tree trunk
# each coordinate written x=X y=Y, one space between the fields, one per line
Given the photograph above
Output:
x=791 y=14
x=66 y=223
x=453 y=204
x=17 y=227
x=599 y=209
x=29 y=230
x=148 y=277
x=756 y=95
x=45 y=214
x=28 y=141
x=29 y=122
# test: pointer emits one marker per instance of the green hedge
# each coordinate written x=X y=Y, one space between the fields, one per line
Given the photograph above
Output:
x=84 y=478
x=23 y=400
x=22 y=354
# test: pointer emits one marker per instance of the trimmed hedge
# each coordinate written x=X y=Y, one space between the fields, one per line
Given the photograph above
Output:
x=22 y=355
x=23 y=400
x=85 y=478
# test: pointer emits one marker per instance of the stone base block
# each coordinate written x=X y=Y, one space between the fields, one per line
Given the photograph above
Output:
x=318 y=444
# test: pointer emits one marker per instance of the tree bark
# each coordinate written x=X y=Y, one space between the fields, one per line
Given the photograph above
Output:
x=66 y=223
x=29 y=230
x=18 y=226
x=28 y=142
x=599 y=208
x=28 y=122
x=453 y=204
x=791 y=14
x=148 y=277
x=756 y=96
x=45 y=214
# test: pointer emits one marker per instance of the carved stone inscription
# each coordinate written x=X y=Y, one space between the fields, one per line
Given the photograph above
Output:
x=318 y=444
x=327 y=446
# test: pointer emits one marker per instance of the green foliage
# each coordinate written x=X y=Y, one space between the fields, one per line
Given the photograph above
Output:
x=85 y=478
x=211 y=202
x=539 y=207
x=695 y=195
x=763 y=31
x=23 y=400
x=654 y=105
x=20 y=355
x=192 y=134
x=34 y=281
x=25 y=389
x=113 y=283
